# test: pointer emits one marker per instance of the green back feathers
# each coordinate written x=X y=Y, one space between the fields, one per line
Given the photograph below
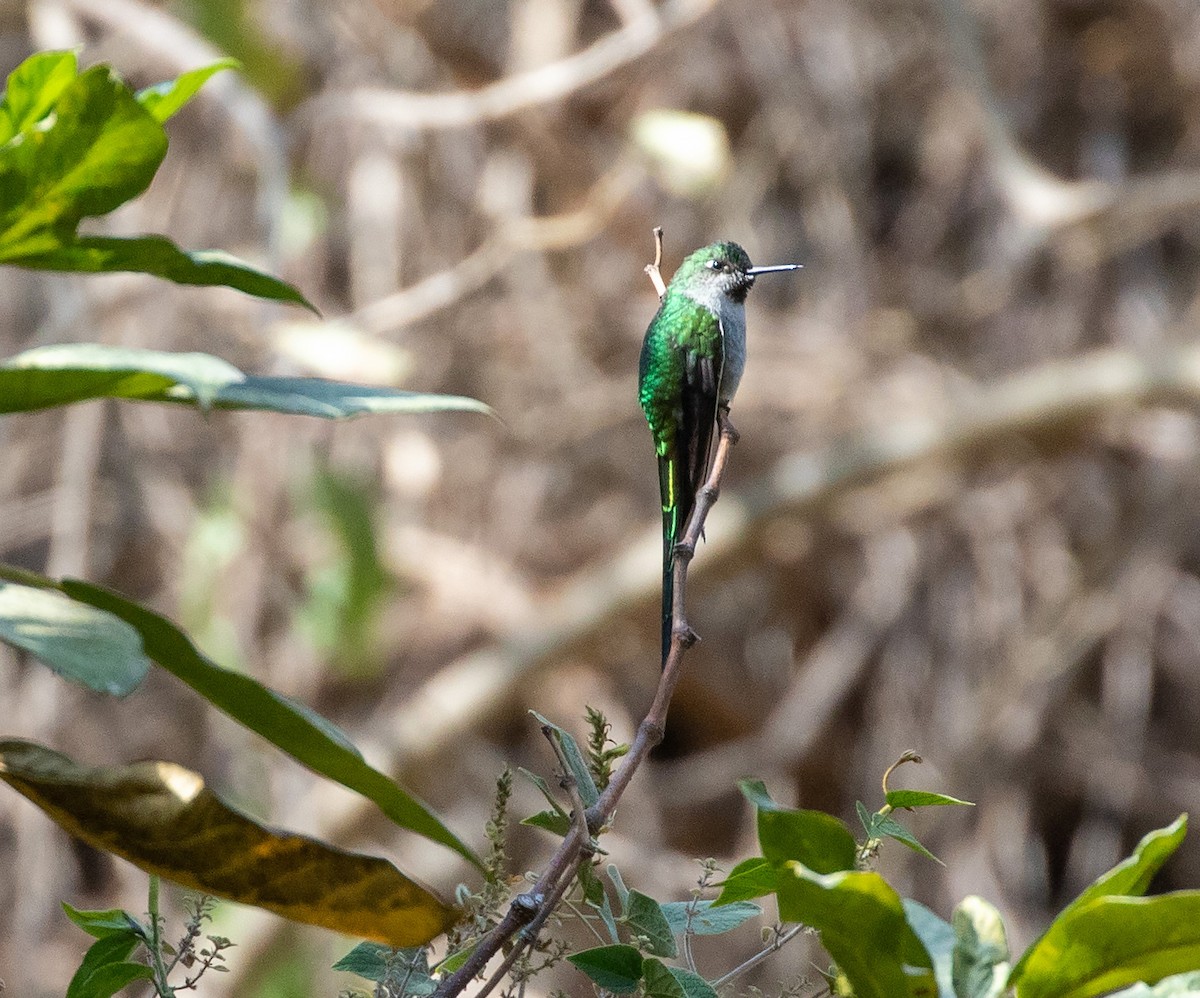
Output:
x=682 y=326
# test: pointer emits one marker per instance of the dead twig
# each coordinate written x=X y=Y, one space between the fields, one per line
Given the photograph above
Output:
x=544 y=85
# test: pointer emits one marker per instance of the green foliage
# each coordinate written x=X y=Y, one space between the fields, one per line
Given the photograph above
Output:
x=615 y=968
x=603 y=753
x=74 y=372
x=73 y=146
x=576 y=764
x=645 y=919
x=401 y=972
x=820 y=841
x=106 y=969
x=82 y=643
x=980 y=959
x=79 y=145
x=701 y=918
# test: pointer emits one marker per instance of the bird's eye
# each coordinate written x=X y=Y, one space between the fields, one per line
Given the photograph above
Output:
x=717 y=265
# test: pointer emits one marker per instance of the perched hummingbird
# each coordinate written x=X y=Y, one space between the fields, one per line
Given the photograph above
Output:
x=692 y=360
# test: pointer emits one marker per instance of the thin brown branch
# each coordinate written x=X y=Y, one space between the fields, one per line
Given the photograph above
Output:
x=511 y=238
x=652 y=269
x=544 y=85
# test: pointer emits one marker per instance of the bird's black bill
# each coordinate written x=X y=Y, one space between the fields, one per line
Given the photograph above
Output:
x=753 y=271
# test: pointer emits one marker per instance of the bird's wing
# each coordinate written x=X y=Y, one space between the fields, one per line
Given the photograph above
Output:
x=698 y=416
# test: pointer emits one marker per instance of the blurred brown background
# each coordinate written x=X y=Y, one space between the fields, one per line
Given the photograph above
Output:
x=962 y=518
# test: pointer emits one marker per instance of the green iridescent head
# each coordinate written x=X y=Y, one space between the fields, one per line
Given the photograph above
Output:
x=721 y=268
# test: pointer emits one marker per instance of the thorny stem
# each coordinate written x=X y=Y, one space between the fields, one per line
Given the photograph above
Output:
x=529 y=911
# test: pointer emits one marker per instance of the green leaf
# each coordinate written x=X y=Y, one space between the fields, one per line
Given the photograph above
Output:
x=922 y=798
x=694 y=986
x=614 y=874
x=615 y=968
x=83 y=644
x=456 y=959
x=868 y=819
x=1110 y=943
x=1131 y=876
x=751 y=878
x=888 y=827
x=551 y=821
x=33 y=87
x=275 y=718
x=593 y=888
x=73 y=372
x=980 y=960
x=105 y=923
x=75 y=146
x=645 y=917
x=864 y=928
x=588 y=792
x=367 y=960
x=165 y=99
x=104 y=971
x=707 y=920
x=817 y=840
x=937 y=936
x=659 y=982
x=377 y=962
x=1176 y=986
x=159 y=257
x=98 y=149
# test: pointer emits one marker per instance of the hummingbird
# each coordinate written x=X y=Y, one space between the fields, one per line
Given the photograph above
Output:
x=691 y=363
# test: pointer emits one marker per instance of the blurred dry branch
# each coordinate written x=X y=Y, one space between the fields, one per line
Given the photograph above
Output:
x=645 y=27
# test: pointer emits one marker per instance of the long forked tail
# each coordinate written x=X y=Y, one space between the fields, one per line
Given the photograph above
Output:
x=676 y=505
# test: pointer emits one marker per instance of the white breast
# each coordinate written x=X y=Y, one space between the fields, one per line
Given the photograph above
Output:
x=733 y=328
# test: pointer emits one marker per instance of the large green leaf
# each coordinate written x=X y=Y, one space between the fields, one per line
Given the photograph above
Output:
x=165 y=99
x=84 y=644
x=980 y=958
x=96 y=150
x=937 y=936
x=32 y=89
x=296 y=729
x=159 y=257
x=751 y=878
x=818 y=840
x=77 y=145
x=863 y=926
x=615 y=968
x=645 y=918
x=1130 y=877
x=279 y=720
x=73 y=372
x=105 y=969
x=1110 y=943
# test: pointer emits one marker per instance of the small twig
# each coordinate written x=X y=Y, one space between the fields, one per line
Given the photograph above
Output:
x=908 y=756
x=777 y=944
x=652 y=269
